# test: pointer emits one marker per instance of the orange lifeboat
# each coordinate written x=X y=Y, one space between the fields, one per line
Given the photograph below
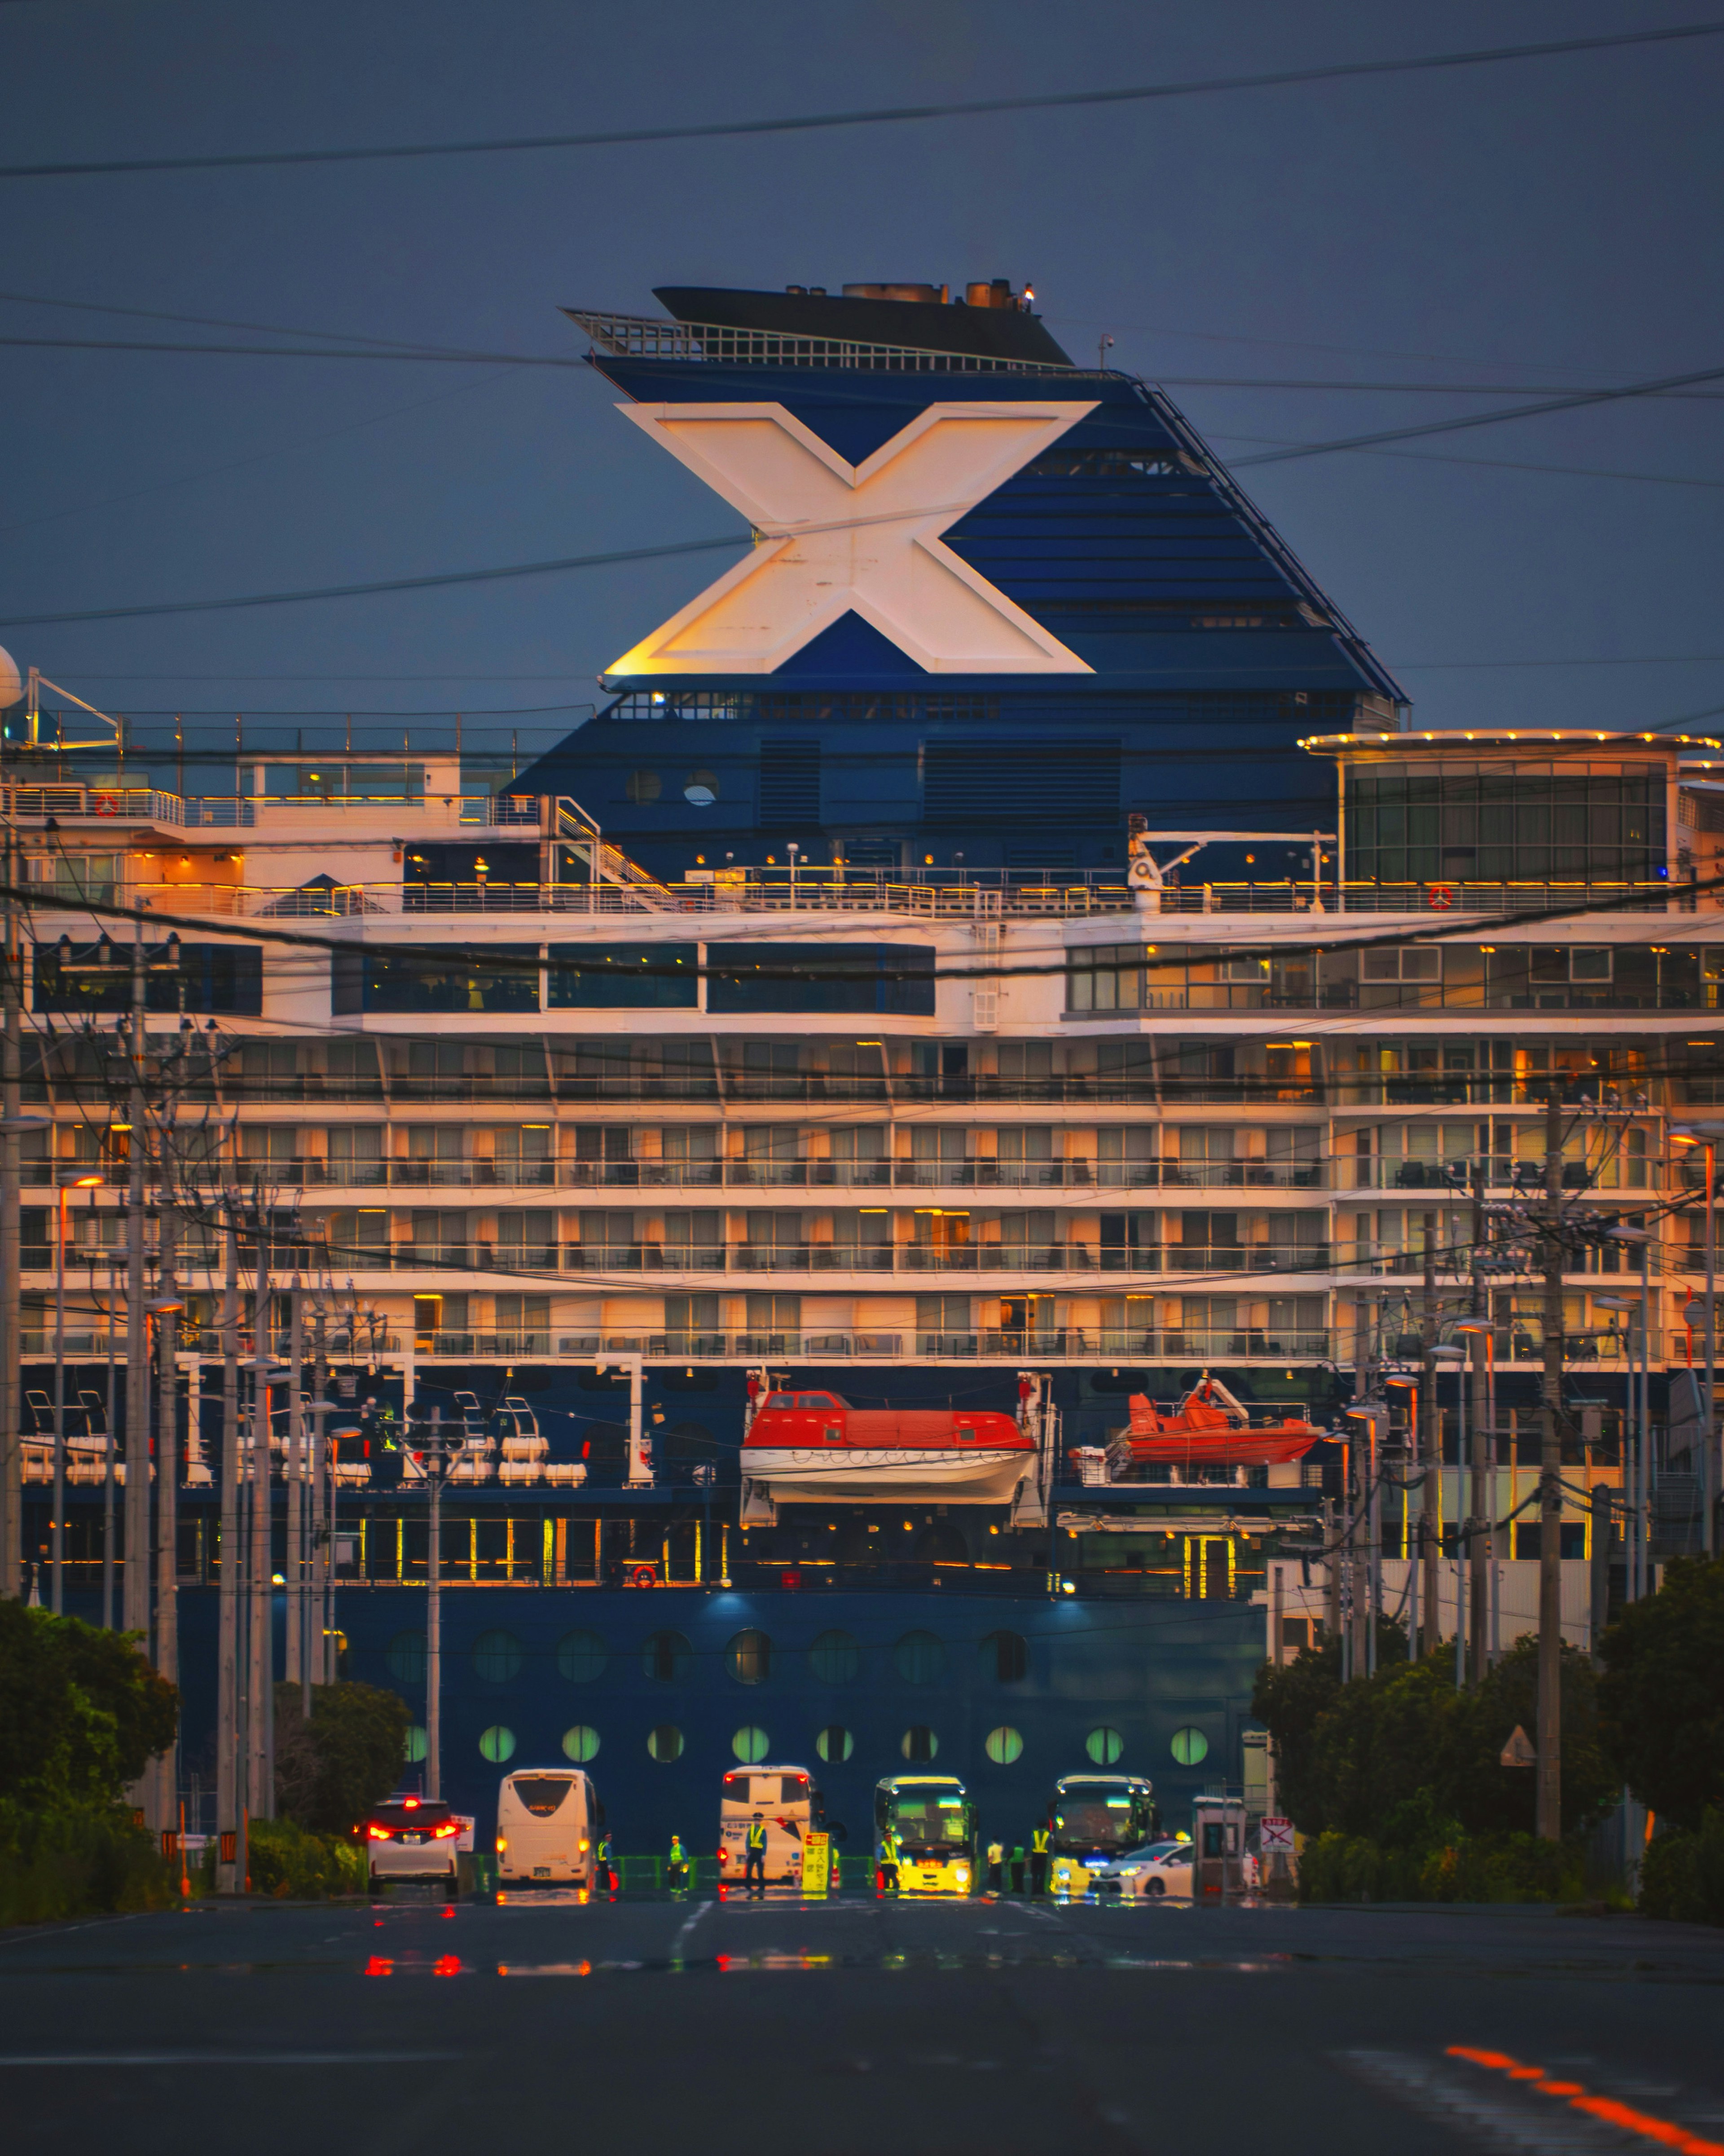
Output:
x=1211 y=1429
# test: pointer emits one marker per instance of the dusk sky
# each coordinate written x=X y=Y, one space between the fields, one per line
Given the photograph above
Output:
x=1534 y=225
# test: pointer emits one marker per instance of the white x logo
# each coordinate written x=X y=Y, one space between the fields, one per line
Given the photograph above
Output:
x=836 y=538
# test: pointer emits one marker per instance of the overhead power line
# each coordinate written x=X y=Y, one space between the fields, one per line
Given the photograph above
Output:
x=875 y=115
x=1569 y=403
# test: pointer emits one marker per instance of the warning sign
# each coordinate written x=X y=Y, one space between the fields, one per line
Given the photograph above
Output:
x=1274 y=1837
x=1520 y=1750
x=816 y=1863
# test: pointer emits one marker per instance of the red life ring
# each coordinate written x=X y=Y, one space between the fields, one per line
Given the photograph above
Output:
x=106 y=805
x=1440 y=897
x=645 y=1576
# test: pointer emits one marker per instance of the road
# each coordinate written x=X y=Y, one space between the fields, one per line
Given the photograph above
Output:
x=931 y=2029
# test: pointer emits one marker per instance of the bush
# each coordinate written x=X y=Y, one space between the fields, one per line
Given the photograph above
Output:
x=78 y=1863
x=1489 y=1867
x=330 y=1771
x=1682 y=1874
x=1662 y=1695
x=82 y=1713
x=287 y=1861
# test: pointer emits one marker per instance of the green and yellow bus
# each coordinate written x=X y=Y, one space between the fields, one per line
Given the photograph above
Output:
x=934 y=1823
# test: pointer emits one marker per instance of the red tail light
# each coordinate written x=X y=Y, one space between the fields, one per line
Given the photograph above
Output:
x=378 y=1832
x=449 y=1827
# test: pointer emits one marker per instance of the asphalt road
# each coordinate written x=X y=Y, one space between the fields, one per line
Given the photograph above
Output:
x=856 y=2025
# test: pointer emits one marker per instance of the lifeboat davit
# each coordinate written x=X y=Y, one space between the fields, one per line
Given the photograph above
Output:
x=1211 y=1429
x=806 y=1447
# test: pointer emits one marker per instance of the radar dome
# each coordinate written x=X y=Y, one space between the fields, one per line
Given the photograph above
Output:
x=12 y=682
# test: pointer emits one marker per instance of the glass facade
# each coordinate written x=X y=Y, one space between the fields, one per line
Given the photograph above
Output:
x=1493 y=822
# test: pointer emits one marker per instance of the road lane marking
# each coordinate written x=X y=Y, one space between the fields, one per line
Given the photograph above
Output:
x=1610 y=2109
x=682 y=1938
x=221 y=2058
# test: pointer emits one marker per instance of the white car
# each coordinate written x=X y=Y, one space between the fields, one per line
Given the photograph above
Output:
x=1164 y=1868
x=416 y=1838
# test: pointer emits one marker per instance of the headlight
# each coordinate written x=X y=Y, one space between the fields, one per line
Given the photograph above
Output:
x=961 y=1872
x=1128 y=1872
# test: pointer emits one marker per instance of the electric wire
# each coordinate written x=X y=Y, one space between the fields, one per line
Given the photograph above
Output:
x=879 y=114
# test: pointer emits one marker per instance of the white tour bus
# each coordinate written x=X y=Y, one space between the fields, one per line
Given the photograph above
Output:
x=549 y=1825
x=789 y=1806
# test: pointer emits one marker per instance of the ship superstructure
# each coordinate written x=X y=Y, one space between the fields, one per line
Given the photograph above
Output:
x=823 y=1039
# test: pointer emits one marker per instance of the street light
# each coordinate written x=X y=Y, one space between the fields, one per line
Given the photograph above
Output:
x=1708 y=1135
x=1410 y=1386
x=57 y=1592
x=1640 y=1239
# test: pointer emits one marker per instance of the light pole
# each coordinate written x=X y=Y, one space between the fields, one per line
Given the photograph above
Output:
x=1641 y=1239
x=1456 y=1359
x=436 y=1452
x=1482 y=1501
x=1708 y=1135
x=57 y=1597
x=1409 y=1386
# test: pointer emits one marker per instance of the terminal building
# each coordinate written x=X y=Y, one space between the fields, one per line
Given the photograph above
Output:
x=1002 y=950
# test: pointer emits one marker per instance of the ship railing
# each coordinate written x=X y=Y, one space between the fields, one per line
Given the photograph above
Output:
x=644 y=336
x=1041 y=1344
x=1171 y=1260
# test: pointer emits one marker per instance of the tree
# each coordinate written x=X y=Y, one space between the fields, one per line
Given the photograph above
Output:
x=330 y=1770
x=1661 y=1698
x=1492 y=1799
x=82 y=1713
x=1291 y=1702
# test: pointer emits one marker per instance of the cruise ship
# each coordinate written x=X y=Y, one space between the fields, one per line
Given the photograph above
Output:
x=963 y=1013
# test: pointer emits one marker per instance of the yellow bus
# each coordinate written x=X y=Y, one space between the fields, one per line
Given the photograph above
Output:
x=934 y=1822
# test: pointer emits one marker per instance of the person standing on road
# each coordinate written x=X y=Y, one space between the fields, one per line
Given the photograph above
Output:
x=1040 y=1842
x=754 y=1864
x=676 y=1866
x=1018 y=1867
x=889 y=1849
x=996 y=1862
x=604 y=1871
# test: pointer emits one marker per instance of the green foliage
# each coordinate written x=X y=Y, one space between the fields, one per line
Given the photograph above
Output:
x=1490 y=1867
x=82 y=1713
x=1403 y=1760
x=1682 y=1874
x=77 y=1863
x=330 y=1770
x=287 y=1861
x=1661 y=1698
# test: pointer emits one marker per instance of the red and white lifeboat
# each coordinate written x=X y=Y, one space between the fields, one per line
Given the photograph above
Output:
x=805 y=1447
x=1211 y=1429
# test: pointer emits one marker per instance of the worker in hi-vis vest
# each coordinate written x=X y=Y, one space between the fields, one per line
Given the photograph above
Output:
x=1040 y=1844
x=754 y=1862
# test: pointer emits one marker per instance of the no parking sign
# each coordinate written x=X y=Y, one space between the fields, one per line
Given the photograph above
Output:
x=1276 y=1837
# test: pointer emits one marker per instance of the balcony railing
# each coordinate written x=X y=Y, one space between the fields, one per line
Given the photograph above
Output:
x=706 y=1259
x=1063 y=1344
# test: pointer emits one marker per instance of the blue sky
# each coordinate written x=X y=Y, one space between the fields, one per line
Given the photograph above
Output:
x=1548 y=223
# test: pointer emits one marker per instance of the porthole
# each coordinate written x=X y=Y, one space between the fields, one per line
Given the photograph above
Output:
x=919 y=1658
x=751 y=1746
x=749 y=1658
x=497 y=1744
x=580 y=1744
x=1005 y=1657
x=919 y=1744
x=1003 y=1746
x=666 y=1656
x=835 y=1743
x=580 y=1656
x=413 y=1748
x=1105 y=1745
x=643 y=786
x=405 y=1658
x=496 y=1657
x=835 y=1659
x=1191 y=1747
x=700 y=789
x=665 y=1743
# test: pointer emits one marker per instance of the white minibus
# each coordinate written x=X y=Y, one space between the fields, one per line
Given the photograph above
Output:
x=549 y=1825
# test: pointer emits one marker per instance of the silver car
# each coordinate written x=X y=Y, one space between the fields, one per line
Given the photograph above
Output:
x=1149 y=1874
x=415 y=1838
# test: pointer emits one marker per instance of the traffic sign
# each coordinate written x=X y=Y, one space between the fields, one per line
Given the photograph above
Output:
x=1519 y=1751
x=1276 y=1837
x=816 y=1863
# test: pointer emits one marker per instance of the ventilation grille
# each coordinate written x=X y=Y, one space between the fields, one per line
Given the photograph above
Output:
x=970 y=783
x=789 y=785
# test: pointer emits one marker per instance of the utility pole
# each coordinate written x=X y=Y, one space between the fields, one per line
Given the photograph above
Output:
x=318 y=1669
x=167 y=1474
x=436 y=1454
x=295 y=1568
x=261 y=1667
x=1430 y=1417
x=135 y=1597
x=1483 y=1442
x=12 y=1490
x=230 y=1877
x=1548 y=1824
